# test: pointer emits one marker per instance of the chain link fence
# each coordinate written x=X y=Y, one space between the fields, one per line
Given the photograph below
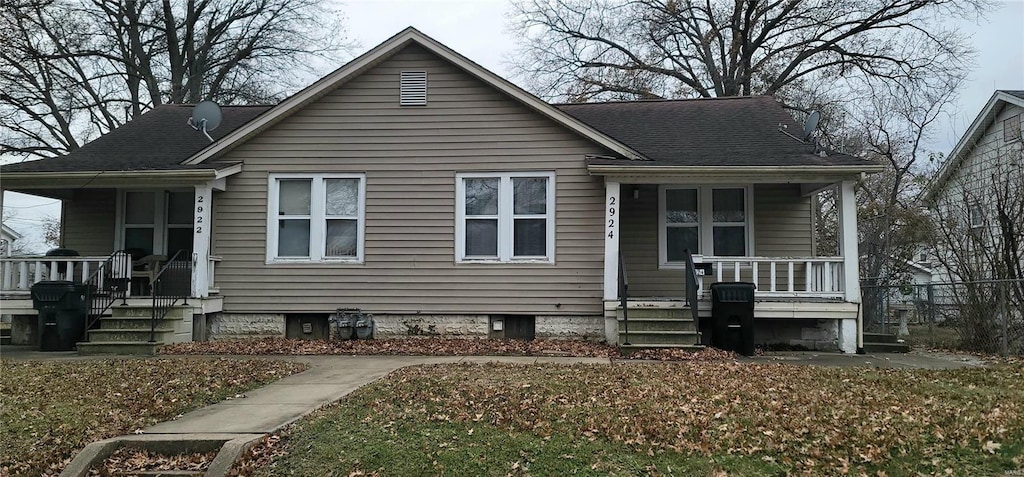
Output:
x=980 y=316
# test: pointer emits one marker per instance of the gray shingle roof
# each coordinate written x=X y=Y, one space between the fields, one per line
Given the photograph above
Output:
x=735 y=131
x=158 y=140
x=1017 y=93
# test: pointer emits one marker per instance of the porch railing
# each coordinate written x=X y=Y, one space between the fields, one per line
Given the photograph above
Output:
x=783 y=277
x=172 y=283
x=692 y=288
x=18 y=274
x=109 y=283
x=624 y=297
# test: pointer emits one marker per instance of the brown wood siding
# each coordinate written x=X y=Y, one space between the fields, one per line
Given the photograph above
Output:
x=782 y=228
x=410 y=156
x=88 y=221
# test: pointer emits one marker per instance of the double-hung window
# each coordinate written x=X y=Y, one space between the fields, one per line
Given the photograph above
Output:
x=704 y=220
x=316 y=218
x=505 y=217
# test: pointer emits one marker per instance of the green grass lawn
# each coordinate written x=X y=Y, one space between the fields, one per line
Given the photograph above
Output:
x=52 y=409
x=699 y=418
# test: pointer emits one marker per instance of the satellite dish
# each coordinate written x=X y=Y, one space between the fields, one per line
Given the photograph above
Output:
x=206 y=116
x=811 y=124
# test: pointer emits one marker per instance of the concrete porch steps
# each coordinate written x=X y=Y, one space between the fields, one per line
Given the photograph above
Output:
x=127 y=331
x=884 y=343
x=658 y=325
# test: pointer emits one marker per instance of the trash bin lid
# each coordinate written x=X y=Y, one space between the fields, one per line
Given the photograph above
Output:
x=62 y=252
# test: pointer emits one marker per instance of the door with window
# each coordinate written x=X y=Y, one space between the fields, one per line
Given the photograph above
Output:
x=156 y=222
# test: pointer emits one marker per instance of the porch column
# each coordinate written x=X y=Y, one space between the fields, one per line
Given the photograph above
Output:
x=611 y=240
x=851 y=272
x=201 y=241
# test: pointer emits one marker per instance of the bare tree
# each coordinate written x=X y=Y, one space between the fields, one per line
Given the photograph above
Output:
x=73 y=69
x=979 y=242
x=579 y=50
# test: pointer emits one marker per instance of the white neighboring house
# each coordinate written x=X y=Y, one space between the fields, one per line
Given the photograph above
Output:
x=986 y=162
x=7 y=238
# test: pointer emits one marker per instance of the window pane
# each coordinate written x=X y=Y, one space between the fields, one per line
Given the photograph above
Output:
x=179 y=208
x=481 y=238
x=179 y=239
x=681 y=206
x=342 y=197
x=294 y=197
x=530 y=195
x=139 y=207
x=730 y=241
x=728 y=205
x=530 y=238
x=679 y=239
x=342 y=238
x=293 y=238
x=139 y=242
x=482 y=196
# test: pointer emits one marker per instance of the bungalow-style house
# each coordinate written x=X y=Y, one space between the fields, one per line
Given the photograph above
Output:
x=421 y=188
x=977 y=195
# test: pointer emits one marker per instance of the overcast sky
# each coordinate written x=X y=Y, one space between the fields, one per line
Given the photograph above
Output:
x=478 y=30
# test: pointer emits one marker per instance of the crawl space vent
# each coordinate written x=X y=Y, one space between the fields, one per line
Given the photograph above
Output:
x=414 y=88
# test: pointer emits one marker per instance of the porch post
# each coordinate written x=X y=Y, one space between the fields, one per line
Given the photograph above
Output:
x=201 y=241
x=849 y=338
x=611 y=240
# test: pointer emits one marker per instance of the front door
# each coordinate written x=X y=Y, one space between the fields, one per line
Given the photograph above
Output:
x=156 y=222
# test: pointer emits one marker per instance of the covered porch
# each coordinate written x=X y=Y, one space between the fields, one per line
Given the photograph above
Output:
x=155 y=220
x=748 y=224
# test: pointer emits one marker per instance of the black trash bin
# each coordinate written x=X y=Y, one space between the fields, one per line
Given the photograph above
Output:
x=62 y=267
x=732 y=314
x=62 y=311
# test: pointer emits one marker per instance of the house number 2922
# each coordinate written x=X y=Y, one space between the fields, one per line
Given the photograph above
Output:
x=611 y=217
x=200 y=207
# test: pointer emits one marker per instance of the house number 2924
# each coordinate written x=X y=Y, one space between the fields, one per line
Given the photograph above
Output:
x=611 y=217
x=200 y=207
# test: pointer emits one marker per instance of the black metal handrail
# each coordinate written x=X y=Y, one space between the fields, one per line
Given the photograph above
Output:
x=172 y=283
x=692 y=287
x=624 y=297
x=109 y=283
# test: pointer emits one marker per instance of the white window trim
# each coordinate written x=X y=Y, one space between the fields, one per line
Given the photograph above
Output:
x=705 y=237
x=505 y=217
x=317 y=219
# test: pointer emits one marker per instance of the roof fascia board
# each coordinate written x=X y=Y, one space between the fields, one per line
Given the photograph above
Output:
x=980 y=124
x=94 y=179
x=736 y=171
x=383 y=51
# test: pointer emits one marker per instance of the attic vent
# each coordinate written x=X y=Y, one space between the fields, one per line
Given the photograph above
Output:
x=414 y=88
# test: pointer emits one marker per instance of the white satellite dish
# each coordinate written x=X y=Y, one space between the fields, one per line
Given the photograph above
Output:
x=811 y=124
x=206 y=116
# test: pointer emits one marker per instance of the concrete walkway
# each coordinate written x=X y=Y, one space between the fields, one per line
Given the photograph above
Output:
x=330 y=378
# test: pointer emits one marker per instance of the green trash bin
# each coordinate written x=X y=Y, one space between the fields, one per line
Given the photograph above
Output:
x=62 y=311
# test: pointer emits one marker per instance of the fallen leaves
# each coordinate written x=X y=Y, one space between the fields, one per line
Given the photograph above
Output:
x=129 y=459
x=822 y=421
x=436 y=347
x=51 y=409
x=403 y=346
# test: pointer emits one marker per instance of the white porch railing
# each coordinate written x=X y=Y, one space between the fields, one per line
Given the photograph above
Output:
x=18 y=274
x=210 y=275
x=820 y=277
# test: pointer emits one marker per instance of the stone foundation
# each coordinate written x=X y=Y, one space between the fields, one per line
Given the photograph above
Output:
x=818 y=335
x=571 y=327
x=25 y=330
x=220 y=326
x=245 y=325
